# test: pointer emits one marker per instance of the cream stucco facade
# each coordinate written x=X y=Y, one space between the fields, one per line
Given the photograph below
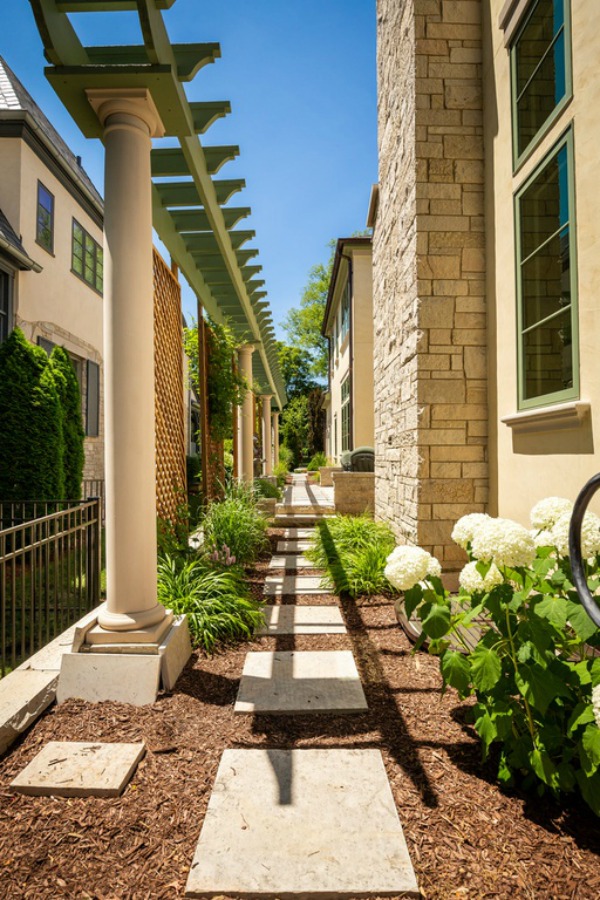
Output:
x=348 y=325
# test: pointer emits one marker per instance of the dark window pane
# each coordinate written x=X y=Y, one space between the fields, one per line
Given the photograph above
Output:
x=45 y=218
x=546 y=280
x=46 y=345
x=99 y=268
x=92 y=420
x=548 y=357
x=90 y=258
x=544 y=206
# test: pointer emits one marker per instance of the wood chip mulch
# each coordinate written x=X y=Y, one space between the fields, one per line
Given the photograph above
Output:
x=466 y=837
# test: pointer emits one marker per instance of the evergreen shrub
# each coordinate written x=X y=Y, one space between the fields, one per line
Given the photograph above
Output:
x=72 y=422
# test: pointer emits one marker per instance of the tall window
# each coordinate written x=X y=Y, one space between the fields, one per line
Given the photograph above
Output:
x=44 y=234
x=345 y=311
x=346 y=414
x=87 y=259
x=5 y=310
x=541 y=72
x=547 y=285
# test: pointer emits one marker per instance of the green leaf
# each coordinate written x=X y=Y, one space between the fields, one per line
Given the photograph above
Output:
x=581 y=715
x=582 y=671
x=437 y=622
x=553 y=608
x=539 y=686
x=456 y=671
x=590 y=790
x=544 y=768
x=412 y=598
x=595 y=672
x=579 y=620
x=591 y=744
x=486 y=730
x=486 y=667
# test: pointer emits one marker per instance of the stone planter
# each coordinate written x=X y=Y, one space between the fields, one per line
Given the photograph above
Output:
x=327 y=475
x=354 y=492
x=266 y=506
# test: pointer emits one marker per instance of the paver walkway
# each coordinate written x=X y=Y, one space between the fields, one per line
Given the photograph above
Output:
x=301 y=823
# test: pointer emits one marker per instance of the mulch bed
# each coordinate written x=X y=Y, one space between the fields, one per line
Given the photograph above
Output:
x=466 y=837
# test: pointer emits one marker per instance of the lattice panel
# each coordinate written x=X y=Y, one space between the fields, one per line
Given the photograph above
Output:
x=168 y=375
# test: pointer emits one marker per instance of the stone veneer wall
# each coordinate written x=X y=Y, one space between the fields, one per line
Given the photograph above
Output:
x=429 y=266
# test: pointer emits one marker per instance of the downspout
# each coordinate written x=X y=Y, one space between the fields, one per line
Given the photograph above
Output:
x=351 y=346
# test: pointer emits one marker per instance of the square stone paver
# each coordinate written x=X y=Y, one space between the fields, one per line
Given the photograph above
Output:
x=303 y=620
x=292 y=546
x=301 y=823
x=75 y=769
x=303 y=681
x=295 y=561
x=278 y=585
x=302 y=533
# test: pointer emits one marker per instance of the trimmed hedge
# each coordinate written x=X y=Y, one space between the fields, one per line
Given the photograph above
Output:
x=73 y=434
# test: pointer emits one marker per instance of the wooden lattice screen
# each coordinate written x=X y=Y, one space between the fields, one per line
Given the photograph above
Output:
x=168 y=375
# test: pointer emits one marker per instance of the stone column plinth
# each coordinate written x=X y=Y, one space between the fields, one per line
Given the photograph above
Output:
x=275 y=438
x=246 y=416
x=267 y=438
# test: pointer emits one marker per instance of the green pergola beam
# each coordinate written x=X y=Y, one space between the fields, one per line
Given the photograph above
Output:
x=69 y=6
x=206 y=113
x=170 y=161
x=243 y=256
x=207 y=243
x=225 y=188
x=197 y=219
x=249 y=272
x=189 y=58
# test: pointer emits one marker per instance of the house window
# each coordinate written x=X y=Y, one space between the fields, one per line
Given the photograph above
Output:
x=541 y=73
x=345 y=311
x=346 y=414
x=87 y=258
x=547 y=281
x=5 y=306
x=92 y=418
x=44 y=234
x=335 y=436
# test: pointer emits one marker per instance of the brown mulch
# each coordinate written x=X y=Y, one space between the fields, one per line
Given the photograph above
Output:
x=467 y=839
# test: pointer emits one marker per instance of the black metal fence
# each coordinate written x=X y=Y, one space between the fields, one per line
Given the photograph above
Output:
x=94 y=487
x=50 y=563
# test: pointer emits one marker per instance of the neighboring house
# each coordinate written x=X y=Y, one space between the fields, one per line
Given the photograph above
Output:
x=348 y=325
x=51 y=263
x=486 y=268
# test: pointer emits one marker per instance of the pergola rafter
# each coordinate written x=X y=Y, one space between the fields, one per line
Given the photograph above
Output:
x=189 y=211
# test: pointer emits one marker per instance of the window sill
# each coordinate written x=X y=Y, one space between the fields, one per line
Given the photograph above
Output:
x=549 y=418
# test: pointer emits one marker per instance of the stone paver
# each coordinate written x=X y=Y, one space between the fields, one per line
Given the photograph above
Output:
x=96 y=677
x=76 y=769
x=293 y=546
x=303 y=620
x=291 y=562
x=278 y=585
x=288 y=682
x=301 y=824
x=302 y=533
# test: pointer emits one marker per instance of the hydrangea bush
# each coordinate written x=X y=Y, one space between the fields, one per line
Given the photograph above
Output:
x=533 y=675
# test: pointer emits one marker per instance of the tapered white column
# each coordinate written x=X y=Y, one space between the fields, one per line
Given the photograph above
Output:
x=275 y=438
x=130 y=120
x=246 y=415
x=267 y=438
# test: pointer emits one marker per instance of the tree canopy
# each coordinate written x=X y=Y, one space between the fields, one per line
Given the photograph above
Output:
x=296 y=369
x=302 y=324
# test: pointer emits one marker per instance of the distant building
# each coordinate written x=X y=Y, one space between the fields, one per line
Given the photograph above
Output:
x=348 y=324
x=51 y=259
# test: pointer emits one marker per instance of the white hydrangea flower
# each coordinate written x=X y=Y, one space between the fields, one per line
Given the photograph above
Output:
x=590 y=535
x=466 y=527
x=471 y=580
x=504 y=542
x=407 y=566
x=548 y=511
x=543 y=538
x=596 y=704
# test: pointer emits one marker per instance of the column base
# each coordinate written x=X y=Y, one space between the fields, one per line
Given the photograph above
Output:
x=132 y=622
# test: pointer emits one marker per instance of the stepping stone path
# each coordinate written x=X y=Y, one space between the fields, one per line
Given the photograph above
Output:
x=291 y=562
x=301 y=823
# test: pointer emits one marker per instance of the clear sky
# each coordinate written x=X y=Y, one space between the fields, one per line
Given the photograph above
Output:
x=300 y=75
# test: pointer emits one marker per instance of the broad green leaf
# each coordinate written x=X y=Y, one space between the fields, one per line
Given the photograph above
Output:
x=456 y=671
x=566 y=776
x=580 y=622
x=539 y=686
x=553 y=608
x=437 y=622
x=505 y=774
x=582 y=671
x=486 y=730
x=544 y=768
x=412 y=598
x=595 y=672
x=486 y=667
x=591 y=744
x=581 y=715
x=590 y=790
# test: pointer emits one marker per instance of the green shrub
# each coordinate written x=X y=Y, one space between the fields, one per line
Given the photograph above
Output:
x=318 y=460
x=236 y=523
x=69 y=396
x=264 y=488
x=280 y=472
x=217 y=603
x=294 y=429
x=354 y=550
x=31 y=424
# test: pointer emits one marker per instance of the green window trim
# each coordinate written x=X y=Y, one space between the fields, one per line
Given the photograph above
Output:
x=567 y=234
x=87 y=258
x=345 y=413
x=520 y=155
x=44 y=220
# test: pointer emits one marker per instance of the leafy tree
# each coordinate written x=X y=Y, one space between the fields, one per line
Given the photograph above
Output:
x=315 y=437
x=294 y=428
x=295 y=364
x=303 y=325
x=72 y=423
x=31 y=424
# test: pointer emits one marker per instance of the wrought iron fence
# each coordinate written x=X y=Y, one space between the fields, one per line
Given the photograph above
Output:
x=50 y=560
x=94 y=487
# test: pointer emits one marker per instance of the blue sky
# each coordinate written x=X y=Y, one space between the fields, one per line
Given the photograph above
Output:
x=301 y=80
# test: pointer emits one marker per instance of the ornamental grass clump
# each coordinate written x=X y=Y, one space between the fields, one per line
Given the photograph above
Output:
x=236 y=523
x=532 y=673
x=217 y=603
x=354 y=551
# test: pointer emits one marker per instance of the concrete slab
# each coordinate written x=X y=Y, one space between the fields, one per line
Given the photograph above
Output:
x=293 y=561
x=278 y=585
x=303 y=533
x=76 y=769
x=24 y=695
x=175 y=651
x=302 y=620
x=301 y=824
x=289 y=682
x=122 y=677
x=293 y=546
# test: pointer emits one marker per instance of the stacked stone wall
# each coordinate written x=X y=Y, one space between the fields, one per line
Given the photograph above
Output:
x=430 y=362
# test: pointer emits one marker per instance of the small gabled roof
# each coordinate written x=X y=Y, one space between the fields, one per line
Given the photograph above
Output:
x=11 y=244
x=342 y=243
x=16 y=102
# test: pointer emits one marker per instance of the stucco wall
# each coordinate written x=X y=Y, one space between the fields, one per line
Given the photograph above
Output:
x=363 y=420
